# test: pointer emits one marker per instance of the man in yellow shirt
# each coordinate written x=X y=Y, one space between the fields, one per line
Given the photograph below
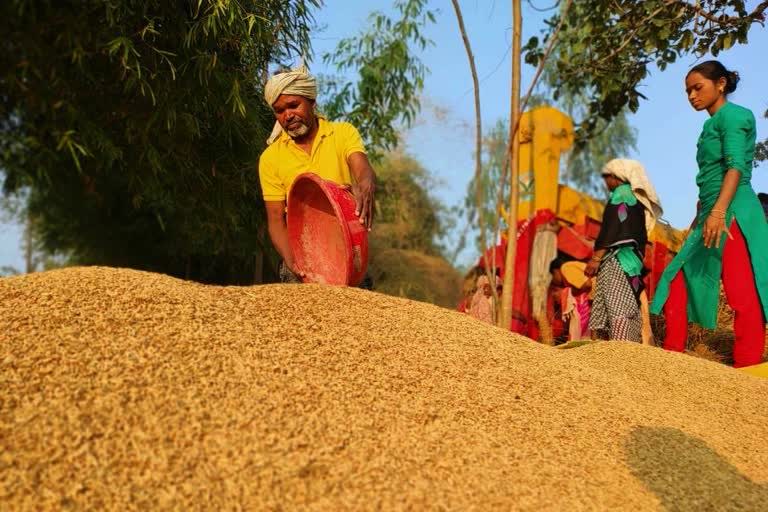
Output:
x=304 y=142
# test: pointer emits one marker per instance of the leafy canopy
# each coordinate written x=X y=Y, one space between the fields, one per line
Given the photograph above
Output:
x=136 y=126
x=606 y=47
x=389 y=79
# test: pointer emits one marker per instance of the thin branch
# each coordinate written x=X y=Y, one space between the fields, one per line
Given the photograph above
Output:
x=543 y=9
x=540 y=69
x=544 y=57
x=478 y=142
x=517 y=107
x=505 y=319
x=478 y=145
x=631 y=35
x=757 y=15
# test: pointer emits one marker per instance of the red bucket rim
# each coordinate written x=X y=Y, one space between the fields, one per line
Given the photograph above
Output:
x=325 y=186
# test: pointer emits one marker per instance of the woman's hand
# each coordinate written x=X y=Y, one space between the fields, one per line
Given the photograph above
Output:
x=591 y=268
x=712 y=231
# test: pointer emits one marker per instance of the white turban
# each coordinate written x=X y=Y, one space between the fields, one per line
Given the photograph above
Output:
x=297 y=82
x=632 y=172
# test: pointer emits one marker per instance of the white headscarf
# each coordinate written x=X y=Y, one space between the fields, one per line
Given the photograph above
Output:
x=632 y=172
x=297 y=82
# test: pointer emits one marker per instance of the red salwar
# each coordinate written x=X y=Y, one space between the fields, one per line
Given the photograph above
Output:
x=741 y=293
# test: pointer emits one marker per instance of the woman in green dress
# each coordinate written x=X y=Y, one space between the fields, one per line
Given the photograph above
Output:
x=728 y=239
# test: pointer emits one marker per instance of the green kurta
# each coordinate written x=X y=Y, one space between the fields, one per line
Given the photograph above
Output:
x=727 y=141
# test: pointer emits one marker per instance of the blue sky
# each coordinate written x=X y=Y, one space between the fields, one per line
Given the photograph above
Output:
x=667 y=126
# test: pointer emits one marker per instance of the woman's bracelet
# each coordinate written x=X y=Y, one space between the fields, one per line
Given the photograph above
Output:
x=718 y=210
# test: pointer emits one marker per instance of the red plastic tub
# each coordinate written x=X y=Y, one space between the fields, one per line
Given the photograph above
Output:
x=328 y=242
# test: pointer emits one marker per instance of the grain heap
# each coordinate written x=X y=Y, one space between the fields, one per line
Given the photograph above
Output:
x=128 y=390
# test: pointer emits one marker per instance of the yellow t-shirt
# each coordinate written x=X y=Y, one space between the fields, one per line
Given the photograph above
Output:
x=283 y=160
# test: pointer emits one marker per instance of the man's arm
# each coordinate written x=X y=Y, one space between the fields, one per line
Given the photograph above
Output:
x=363 y=187
x=278 y=232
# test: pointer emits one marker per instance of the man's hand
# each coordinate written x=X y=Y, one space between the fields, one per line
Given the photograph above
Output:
x=363 y=188
x=364 y=192
x=295 y=269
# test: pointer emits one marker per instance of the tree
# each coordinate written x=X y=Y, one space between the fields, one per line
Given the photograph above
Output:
x=516 y=108
x=505 y=318
x=494 y=166
x=389 y=79
x=607 y=47
x=136 y=126
x=408 y=215
x=761 y=150
x=406 y=251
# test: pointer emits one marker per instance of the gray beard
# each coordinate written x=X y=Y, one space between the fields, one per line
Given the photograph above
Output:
x=301 y=131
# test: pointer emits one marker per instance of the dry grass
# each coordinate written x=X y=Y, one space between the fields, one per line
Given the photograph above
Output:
x=415 y=275
x=712 y=344
x=126 y=390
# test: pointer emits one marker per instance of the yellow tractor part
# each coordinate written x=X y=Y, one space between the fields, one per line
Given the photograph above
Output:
x=758 y=370
x=545 y=134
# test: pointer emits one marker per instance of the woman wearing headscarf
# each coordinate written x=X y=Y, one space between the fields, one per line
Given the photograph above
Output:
x=617 y=261
x=482 y=306
x=728 y=239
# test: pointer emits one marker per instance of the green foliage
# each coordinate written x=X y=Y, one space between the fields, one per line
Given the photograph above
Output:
x=136 y=126
x=390 y=77
x=761 y=150
x=606 y=47
x=408 y=215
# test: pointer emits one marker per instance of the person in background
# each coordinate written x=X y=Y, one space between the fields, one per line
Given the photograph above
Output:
x=468 y=289
x=575 y=299
x=482 y=306
x=728 y=239
x=617 y=261
x=543 y=253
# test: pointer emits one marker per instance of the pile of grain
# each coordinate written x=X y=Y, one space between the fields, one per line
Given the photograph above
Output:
x=128 y=390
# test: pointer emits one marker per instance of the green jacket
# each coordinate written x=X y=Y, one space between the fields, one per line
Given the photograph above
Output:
x=727 y=141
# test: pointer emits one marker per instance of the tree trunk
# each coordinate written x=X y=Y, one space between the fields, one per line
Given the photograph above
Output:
x=29 y=261
x=514 y=170
x=258 y=267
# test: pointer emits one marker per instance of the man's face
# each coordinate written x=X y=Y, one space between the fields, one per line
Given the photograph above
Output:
x=295 y=114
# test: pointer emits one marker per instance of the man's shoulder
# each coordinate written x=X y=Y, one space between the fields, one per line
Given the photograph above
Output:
x=340 y=127
x=270 y=152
